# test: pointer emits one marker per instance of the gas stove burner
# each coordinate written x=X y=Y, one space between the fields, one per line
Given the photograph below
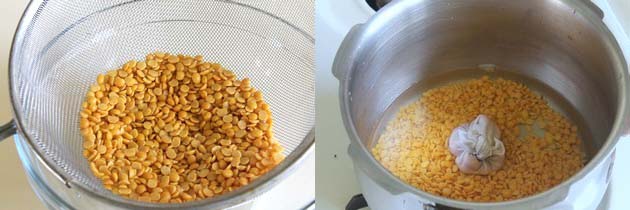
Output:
x=356 y=202
x=377 y=4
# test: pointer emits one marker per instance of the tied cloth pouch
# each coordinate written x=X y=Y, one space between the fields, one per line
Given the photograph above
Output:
x=477 y=146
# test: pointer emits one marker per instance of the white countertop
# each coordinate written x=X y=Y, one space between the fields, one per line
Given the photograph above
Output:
x=335 y=177
x=16 y=192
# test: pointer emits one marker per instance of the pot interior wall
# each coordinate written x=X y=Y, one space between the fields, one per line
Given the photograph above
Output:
x=545 y=44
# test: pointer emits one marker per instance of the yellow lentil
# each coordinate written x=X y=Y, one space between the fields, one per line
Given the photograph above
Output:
x=414 y=145
x=171 y=129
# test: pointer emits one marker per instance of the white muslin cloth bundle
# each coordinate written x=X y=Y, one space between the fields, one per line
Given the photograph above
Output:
x=477 y=146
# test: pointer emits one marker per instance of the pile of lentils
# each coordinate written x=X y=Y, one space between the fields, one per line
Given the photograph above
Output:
x=174 y=128
x=414 y=145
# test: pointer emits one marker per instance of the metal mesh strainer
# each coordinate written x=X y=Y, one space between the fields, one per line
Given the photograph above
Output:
x=60 y=47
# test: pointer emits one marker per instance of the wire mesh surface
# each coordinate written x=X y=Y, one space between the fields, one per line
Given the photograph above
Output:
x=64 y=45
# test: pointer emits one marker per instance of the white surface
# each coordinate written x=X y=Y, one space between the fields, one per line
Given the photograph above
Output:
x=621 y=10
x=336 y=182
x=15 y=192
x=617 y=17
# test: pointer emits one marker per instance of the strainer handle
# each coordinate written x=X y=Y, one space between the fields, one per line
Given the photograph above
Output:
x=7 y=130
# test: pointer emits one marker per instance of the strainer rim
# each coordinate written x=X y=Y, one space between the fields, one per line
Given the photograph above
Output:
x=240 y=195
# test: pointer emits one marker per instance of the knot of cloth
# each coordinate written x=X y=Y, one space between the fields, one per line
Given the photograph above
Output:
x=477 y=146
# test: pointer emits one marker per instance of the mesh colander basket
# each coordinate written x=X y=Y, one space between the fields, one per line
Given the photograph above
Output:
x=61 y=46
